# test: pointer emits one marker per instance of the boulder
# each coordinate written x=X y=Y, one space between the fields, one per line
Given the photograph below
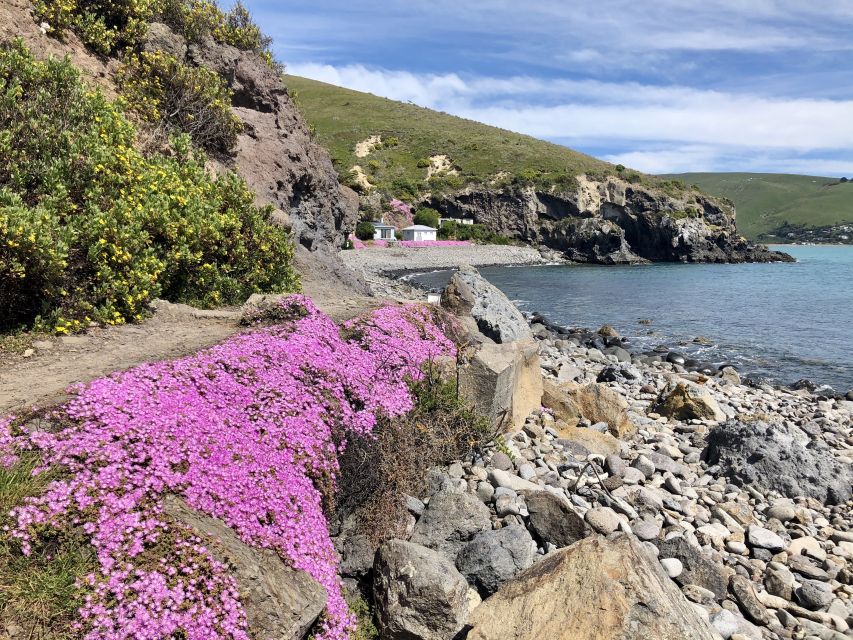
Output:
x=599 y=403
x=699 y=568
x=553 y=520
x=558 y=401
x=597 y=589
x=450 y=520
x=418 y=593
x=469 y=293
x=592 y=441
x=280 y=602
x=771 y=457
x=686 y=401
x=503 y=381
x=493 y=557
x=160 y=37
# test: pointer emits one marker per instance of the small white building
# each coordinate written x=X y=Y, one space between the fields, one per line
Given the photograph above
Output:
x=443 y=221
x=419 y=233
x=383 y=231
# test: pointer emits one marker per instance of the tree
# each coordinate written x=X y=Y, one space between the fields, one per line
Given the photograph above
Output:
x=365 y=231
x=428 y=217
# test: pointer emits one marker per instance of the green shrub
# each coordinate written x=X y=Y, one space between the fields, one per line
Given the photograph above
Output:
x=423 y=163
x=365 y=231
x=177 y=97
x=473 y=232
x=90 y=229
x=427 y=216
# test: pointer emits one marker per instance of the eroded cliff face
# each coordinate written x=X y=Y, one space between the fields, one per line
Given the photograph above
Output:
x=611 y=221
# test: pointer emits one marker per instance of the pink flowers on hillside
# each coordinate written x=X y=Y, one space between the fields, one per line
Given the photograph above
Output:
x=244 y=432
x=434 y=243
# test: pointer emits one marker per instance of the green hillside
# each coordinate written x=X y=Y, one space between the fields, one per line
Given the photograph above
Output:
x=411 y=135
x=767 y=201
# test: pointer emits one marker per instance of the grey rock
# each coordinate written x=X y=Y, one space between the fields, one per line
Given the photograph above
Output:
x=493 y=557
x=779 y=581
x=615 y=465
x=765 y=539
x=643 y=464
x=553 y=520
x=501 y=461
x=468 y=293
x=744 y=593
x=485 y=491
x=280 y=602
x=160 y=37
x=646 y=530
x=418 y=592
x=771 y=457
x=449 y=521
x=725 y=622
x=619 y=372
x=699 y=569
x=603 y=519
x=814 y=594
x=672 y=566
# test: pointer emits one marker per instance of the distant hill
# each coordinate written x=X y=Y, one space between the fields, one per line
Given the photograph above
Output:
x=767 y=202
x=417 y=143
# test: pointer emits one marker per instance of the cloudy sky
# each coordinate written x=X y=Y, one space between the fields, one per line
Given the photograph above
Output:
x=659 y=85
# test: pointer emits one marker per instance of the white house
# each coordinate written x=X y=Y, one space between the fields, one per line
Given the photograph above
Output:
x=383 y=231
x=419 y=233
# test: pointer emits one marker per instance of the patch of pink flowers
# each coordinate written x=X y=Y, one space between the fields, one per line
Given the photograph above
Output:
x=7 y=441
x=244 y=432
x=434 y=243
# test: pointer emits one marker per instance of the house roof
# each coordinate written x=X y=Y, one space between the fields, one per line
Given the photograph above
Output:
x=381 y=225
x=420 y=227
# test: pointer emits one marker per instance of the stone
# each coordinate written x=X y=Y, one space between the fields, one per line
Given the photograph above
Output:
x=619 y=372
x=615 y=465
x=503 y=381
x=782 y=511
x=597 y=589
x=744 y=593
x=468 y=293
x=418 y=593
x=770 y=456
x=493 y=557
x=730 y=374
x=558 y=401
x=599 y=403
x=450 y=520
x=553 y=520
x=725 y=622
x=699 y=569
x=160 y=37
x=485 y=491
x=646 y=530
x=687 y=401
x=779 y=581
x=765 y=539
x=814 y=594
x=592 y=441
x=644 y=465
x=603 y=519
x=672 y=566
x=807 y=545
x=509 y=480
x=501 y=461
x=280 y=602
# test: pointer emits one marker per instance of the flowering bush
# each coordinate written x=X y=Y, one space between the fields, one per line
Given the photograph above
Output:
x=245 y=432
x=90 y=229
x=433 y=243
x=176 y=97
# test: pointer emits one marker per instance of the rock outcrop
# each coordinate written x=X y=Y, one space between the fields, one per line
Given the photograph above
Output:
x=280 y=602
x=611 y=221
x=781 y=458
x=687 y=401
x=597 y=589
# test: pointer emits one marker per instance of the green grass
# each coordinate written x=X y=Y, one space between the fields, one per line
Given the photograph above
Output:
x=342 y=118
x=766 y=201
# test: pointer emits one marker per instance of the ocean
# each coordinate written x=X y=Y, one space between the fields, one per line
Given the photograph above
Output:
x=778 y=322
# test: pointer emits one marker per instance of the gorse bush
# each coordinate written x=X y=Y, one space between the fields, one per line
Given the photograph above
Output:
x=176 y=97
x=91 y=230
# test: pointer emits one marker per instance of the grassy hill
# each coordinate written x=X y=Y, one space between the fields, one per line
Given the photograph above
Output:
x=412 y=135
x=767 y=201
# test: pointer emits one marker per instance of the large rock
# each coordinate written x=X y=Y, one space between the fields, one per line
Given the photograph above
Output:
x=698 y=568
x=450 y=520
x=419 y=594
x=493 y=557
x=280 y=602
x=598 y=403
x=503 y=381
x=772 y=457
x=597 y=589
x=558 y=401
x=553 y=520
x=686 y=401
x=468 y=293
x=591 y=440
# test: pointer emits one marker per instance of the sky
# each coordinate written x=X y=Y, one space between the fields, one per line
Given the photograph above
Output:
x=663 y=86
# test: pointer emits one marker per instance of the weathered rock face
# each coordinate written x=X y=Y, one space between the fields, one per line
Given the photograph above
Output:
x=686 y=401
x=280 y=602
x=419 y=594
x=772 y=456
x=493 y=557
x=503 y=381
x=611 y=222
x=468 y=293
x=597 y=589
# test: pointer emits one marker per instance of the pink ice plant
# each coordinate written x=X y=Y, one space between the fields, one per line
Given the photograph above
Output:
x=7 y=457
x=245 y=432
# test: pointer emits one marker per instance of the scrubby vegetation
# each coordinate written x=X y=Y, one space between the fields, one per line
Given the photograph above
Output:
x=428 y=217
x=482 y=155
x=364 y=230
x=452 y=230
x=91 y=229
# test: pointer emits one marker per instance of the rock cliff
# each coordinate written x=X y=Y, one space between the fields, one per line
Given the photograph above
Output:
x=611 y=221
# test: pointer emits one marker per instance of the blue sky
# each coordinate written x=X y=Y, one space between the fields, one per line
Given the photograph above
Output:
x=662 y=86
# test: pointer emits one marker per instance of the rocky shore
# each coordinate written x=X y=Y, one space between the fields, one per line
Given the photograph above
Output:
x=675 y=504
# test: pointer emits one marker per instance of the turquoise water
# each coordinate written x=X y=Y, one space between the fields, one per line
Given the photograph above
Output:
x=782 y=322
